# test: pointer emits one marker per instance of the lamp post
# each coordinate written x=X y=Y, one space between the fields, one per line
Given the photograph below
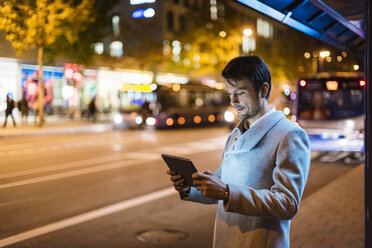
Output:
x=318 y=60
x=248 y=43
x=322 y=56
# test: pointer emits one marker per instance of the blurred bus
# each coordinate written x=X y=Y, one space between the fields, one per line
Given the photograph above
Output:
x=330 y=107
x=172 y=106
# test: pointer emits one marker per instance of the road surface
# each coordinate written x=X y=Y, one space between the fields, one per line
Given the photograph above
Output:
x=110 y=189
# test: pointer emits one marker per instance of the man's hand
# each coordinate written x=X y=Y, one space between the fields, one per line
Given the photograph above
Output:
x=178 y=181
x=210 y=185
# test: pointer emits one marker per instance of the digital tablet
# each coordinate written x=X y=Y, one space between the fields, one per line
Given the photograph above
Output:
x=183 y=166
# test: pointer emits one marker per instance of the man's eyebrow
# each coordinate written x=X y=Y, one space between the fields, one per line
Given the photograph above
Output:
x=235 y=90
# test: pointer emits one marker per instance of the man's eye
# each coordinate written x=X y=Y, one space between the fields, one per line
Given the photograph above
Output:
x=239 y=93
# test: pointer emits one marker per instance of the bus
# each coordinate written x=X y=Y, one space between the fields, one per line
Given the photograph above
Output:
x=330 y=107
x=172 y=106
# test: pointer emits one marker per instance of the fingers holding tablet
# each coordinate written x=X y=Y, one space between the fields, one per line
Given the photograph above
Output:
x=177 y=179
x=180 y=170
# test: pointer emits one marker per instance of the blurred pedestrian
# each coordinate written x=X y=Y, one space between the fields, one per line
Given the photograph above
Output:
x=10 y=105
x=265 y=164
x=145 y=109
x=92 y=109
x=23 y=108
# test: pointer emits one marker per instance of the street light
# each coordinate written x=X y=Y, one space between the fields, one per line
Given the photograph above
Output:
x=322 y=55
x=247 y=32
x=222 y=34
x=248 y=43
x=307 y=55
x=318 y=59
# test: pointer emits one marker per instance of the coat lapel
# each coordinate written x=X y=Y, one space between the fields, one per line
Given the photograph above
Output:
x=257 y=132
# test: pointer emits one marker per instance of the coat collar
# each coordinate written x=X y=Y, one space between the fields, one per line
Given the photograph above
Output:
x=253 y=135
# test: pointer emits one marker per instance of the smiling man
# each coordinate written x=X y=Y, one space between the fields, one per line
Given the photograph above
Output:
x=258 y=186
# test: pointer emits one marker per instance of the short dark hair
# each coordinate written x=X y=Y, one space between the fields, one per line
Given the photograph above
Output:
x=250 y=67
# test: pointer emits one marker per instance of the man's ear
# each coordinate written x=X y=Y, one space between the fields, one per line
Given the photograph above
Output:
x=264 y=89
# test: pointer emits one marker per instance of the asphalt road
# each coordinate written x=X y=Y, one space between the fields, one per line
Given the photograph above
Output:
x=111 y=190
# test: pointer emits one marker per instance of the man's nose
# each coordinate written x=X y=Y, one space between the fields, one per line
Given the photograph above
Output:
x=234 y=98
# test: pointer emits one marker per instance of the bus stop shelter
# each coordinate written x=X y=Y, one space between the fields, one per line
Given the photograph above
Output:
x=343 y=24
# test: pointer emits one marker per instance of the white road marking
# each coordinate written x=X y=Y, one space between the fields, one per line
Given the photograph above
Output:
x=9 y=147
x=63 y=166
x=178 y=150
x=116 y=147
x=25 y=152
x=18 y=146
x=117 y=207
x=89 y=170
x=23 y=200
x=142 y=155
x=16 y=149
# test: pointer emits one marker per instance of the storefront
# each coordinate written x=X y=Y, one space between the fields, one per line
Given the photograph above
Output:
x=53 y=84
x=89 y=88
x=113 y=84
x=170 y=78
x=8 y=81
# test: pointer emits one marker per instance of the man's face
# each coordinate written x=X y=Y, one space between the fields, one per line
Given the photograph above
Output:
x=244 y=98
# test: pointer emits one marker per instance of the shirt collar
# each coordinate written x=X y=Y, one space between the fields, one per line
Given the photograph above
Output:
x=272 y=110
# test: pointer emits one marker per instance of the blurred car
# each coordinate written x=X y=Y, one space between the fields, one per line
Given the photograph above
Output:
x=231 y=117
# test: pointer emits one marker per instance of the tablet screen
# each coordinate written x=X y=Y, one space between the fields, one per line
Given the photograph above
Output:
x=183 y=166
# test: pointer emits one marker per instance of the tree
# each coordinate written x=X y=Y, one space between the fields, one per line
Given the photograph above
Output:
x=39 y=24
x=209 y=51
x=205 y=49
x=81 y=51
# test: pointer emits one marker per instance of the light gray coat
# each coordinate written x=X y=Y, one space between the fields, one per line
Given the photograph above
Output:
x=266 y=170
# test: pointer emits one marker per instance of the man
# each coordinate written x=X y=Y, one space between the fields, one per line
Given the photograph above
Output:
x=10 y=105
x=264 y=169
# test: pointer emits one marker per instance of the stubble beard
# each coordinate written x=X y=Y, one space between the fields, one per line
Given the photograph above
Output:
x=251 y=113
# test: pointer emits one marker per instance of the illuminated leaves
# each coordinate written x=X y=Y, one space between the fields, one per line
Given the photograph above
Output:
x=40 y=23
x=209 y=50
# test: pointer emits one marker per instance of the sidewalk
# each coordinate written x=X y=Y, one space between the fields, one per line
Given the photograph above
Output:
x=55 y=125
x=332 y=216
